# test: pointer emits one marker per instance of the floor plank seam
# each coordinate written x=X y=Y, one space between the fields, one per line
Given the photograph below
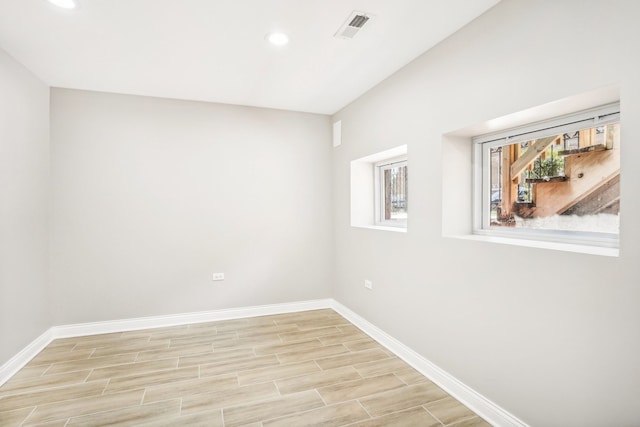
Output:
x=433 y=415
x=30 y=413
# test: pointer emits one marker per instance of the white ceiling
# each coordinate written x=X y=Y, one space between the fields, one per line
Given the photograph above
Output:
x=214 y=50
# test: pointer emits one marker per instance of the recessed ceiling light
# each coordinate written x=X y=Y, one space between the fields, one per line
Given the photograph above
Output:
x=277 y=39
x=65 y=4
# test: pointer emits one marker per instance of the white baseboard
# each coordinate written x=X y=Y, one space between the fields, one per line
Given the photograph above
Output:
x=122 y=325
x=472 y=399
x=479 y=404
x=17 y=362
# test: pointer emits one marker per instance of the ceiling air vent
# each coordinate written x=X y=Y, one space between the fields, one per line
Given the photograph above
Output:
x=353 y=25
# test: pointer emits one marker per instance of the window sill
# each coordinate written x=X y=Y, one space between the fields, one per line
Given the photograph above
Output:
x=541 y=244
x=382 y=228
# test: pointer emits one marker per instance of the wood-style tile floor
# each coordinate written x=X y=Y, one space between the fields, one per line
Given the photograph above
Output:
x=298 y=369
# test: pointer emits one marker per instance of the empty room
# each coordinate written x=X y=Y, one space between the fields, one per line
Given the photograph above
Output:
x=298 y=212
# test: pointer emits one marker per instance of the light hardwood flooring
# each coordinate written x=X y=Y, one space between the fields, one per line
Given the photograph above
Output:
x=297 y=369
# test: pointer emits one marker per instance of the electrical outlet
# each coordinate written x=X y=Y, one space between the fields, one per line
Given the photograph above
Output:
x=218 y=276
x=368 y=284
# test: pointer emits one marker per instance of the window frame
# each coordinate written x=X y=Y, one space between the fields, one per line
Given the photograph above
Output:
x=378 y=175
x=482 y=145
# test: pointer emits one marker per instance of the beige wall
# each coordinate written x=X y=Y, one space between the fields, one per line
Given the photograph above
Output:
x=151 y=196
x=551 y=336
x=24 y=174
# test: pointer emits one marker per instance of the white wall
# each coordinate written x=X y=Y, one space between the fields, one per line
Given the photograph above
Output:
x=24 y=174
x=151 y=196
x=553 y=337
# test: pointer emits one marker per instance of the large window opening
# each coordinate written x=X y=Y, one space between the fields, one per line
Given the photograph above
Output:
x=559 y=179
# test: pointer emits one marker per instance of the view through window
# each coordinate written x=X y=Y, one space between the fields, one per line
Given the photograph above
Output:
x=393 y=180
x=568 y=181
